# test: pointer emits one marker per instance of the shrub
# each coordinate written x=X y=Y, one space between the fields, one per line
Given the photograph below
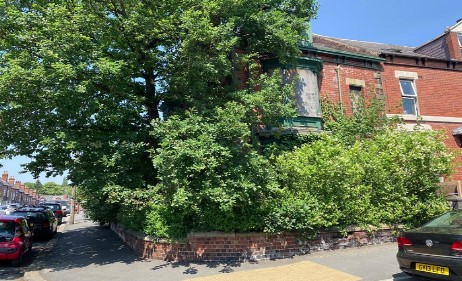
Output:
x=390 y=178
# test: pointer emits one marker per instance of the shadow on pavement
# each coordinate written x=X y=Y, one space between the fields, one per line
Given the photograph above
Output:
x=192 y=268
x=95 y=252
x=79 y=247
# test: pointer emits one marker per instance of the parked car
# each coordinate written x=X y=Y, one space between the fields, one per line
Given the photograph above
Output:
x=433 y=250
x=7 y=209
x=15 y=239
x=56 y=208
x=65 y=207
x=41 y=221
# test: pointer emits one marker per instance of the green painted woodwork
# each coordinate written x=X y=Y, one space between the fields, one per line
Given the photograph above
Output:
x=312 y=64
x=343 y=54
x=301 y=121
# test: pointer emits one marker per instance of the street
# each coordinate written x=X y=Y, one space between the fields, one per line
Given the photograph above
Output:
x=88 y=251
x=7 y=272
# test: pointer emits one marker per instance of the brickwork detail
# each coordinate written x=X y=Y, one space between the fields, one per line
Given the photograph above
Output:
x=218 y=246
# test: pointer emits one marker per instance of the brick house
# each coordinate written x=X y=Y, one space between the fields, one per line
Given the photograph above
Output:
x=12 y=191
x=419 y=83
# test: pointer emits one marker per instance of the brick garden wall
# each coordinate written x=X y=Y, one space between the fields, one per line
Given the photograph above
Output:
x=217 y=246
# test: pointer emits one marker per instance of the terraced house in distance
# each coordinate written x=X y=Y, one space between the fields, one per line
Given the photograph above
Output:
x=420 y=84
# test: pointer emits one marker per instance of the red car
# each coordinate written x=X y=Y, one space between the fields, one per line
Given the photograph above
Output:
x=15 y=239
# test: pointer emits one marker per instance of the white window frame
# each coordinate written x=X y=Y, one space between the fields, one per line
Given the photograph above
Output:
x=407 y=96
x=459 y=36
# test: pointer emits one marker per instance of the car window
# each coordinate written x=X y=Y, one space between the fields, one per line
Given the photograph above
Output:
x=450 y=219
x=52 y=206
x=7 y=231
x=32 y=215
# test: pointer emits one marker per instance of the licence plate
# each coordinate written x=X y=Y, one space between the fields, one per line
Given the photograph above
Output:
x=442 y=270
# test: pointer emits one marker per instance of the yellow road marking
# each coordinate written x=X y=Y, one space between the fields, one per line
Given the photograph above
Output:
x=306 y=271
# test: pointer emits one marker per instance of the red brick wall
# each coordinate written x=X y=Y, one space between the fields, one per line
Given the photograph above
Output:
x=328 y=83
x=453 y=46
x=217 y=246
x=452 y=142
x=439 y=92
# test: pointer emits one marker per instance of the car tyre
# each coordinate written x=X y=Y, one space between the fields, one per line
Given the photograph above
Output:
x=30 y=248
x=50 y=235
x=17 y=262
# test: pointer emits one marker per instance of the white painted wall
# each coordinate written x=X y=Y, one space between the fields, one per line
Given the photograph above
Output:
x=306 y=91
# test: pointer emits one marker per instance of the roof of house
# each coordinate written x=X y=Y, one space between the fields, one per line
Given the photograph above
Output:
x=363 y=47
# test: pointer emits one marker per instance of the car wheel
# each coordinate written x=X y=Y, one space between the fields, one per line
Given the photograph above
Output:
x=17 y=262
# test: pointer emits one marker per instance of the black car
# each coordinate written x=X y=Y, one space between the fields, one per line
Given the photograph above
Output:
x=56 y=208
x=433 y=250
x=41 y=221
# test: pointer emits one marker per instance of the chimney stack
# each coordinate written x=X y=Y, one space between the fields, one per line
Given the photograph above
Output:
x=5 y=176
x=11 y=181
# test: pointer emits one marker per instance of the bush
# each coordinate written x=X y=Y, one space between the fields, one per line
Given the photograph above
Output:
x=390 y=178
x=211 y=178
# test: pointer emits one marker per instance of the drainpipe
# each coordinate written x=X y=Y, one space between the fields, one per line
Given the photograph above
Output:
x=337 y=69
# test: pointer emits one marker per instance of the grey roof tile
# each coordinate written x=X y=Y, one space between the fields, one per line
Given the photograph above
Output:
x=363 y=47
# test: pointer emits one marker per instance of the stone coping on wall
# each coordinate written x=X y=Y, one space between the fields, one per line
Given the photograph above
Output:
x=255 y=246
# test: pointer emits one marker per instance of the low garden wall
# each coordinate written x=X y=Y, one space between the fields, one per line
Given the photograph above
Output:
x=218 y=246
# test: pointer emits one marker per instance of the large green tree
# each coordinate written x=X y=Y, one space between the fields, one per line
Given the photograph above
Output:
x=51 y=188
x=82 y=82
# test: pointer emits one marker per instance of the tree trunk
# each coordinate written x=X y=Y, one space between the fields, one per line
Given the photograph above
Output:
x=71 y=218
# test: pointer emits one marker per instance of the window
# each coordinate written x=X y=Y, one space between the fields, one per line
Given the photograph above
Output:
x=355 y=97
x=409 y=96
x=460 y=42
x=6 y=228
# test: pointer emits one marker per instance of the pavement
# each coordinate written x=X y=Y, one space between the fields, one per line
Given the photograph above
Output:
x=86 y=251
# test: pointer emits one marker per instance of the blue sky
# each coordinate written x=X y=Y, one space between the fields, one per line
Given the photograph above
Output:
x=400 y=22
x=13 y=167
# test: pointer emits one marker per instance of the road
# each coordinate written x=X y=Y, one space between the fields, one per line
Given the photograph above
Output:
x=100 y=255
x=7 y=272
